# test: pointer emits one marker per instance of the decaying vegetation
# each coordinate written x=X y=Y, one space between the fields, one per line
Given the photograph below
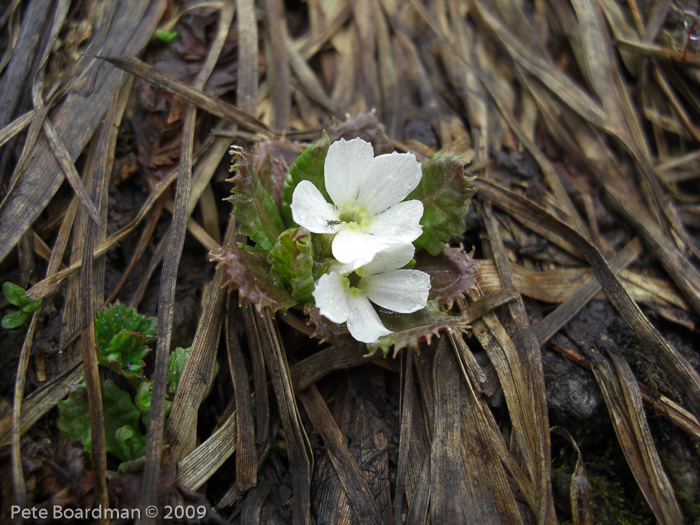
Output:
x=574 y=396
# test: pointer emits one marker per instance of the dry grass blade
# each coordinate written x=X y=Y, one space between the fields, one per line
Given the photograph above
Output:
x=389 y=74
x=505 y=359
x=584 y=293
x=624 y=403
x=581 y=116
x=580 y=492
x=181 y=433
x=369 y=79
x=421 y=435
x=674 y=363
x=553 y=179
x=601 y=68
x=588 y=145
x=190 y=94
x=166 y=297
x=658 y=52
x=676 y=104
x=455 y=498
x=558 y=82
x=10 y=18
x=22 y=54
x=414 y=440
x=675 y=414
x=420 y=504
x=297 y=442
x=107 y=137
x=24 y=417
x=233 y=493
x=407 y=392
x=71 y=174
x=556 y=286
x=246 y=456
x=51 y=282
x=196 y=468
x=247 y=88
x=525 y=366
x=42 y=176
x=99 y=166
x=486 y=433
x=313 y=368
x=16 y=126
x=262 y=405
x=472 y=372
x=359 y=497
x=252 y=507
x=165 y=318
x=278 y=66
x=37 y=404
x=18 y=482
x=626 y=130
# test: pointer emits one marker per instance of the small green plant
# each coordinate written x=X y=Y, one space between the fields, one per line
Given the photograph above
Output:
x=356 y=238
x=16 y=295
x=123 y=436
x=166 y=36
x=122 y=337
x=176 y=364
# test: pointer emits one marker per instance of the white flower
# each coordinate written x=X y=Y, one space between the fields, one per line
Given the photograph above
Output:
x=367 y=213
x=345 y=297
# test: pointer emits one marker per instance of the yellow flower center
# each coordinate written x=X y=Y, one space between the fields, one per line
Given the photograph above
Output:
x=355 y=218
x=352 y=283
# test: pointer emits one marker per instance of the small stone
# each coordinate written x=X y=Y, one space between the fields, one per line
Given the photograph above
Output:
x=571 y=390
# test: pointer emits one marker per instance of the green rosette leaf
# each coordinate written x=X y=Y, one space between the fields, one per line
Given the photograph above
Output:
x=252 y=204
x=15 y=320
x=292 y=263
x=122 y=336
x=30 y=306
x=119 y=413
x=74 y=419
x=176 y=364
x=165 y=36
x=13 y=293
x=325 y=330
x=308 y=166
x=249 y=272
x=131 y=441
x=445 y=193
x=409 y=330
x=272 y=158
x=142 y=400
x=453 y=273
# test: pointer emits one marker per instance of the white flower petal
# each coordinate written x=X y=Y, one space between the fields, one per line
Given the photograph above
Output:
x=402 y=291
x=401 y=222
x=363 y=321
x=331 y=297
x=358 y=248
x=345 y=168
x=389 y=180
x=310 y=209
x=392 y=258
x=346 y=268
